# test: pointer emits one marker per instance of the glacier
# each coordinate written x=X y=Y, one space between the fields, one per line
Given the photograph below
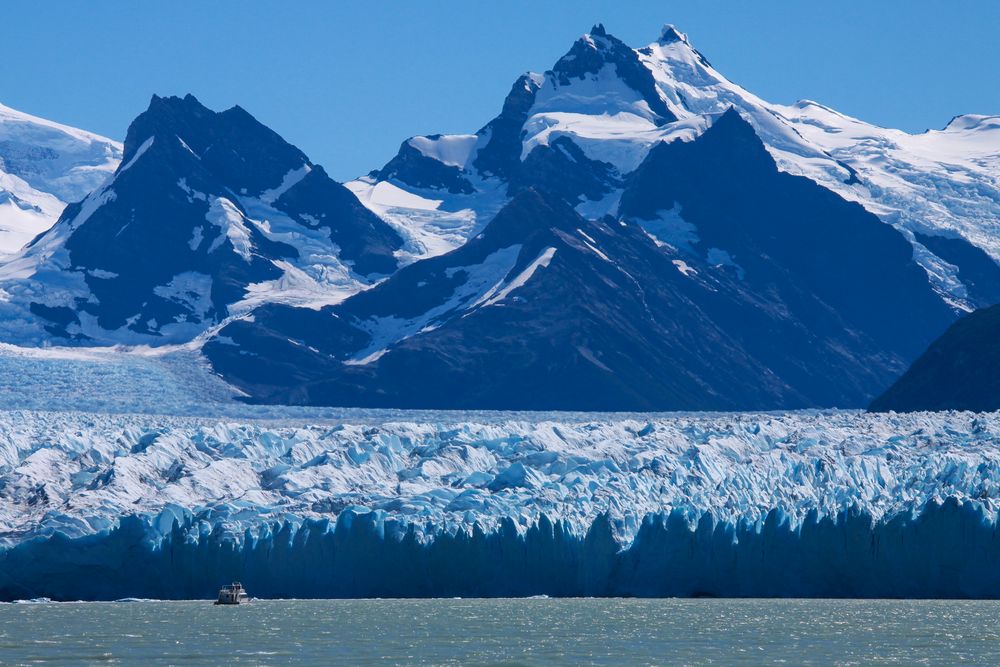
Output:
x=394 y=503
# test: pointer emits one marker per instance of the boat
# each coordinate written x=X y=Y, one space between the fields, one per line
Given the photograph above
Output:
x=233 y=594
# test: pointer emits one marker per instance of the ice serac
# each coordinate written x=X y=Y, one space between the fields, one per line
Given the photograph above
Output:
x=581 y=128
x=207 y=215
x=723 y=284
x=808 y=504
x=44 y=166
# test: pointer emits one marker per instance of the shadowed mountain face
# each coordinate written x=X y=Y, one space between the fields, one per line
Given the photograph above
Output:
x=724 y=284
x=959 y=371
x=830 y=264
x=203 y=206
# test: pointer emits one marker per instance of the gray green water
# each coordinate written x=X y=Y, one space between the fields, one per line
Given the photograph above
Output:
x=504 y=632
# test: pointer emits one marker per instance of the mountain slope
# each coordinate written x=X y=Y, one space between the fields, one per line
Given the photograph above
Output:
x=207 y=212
x=584 y=126
x=781 y=295
x=787 y=239
x=529 y=315
x=44 y=166
x=959 y=371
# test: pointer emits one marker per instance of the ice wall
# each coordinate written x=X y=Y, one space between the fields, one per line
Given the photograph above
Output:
x=947 y=550
x=840 y=503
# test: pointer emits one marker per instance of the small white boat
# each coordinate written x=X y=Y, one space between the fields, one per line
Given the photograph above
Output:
x=233 y=594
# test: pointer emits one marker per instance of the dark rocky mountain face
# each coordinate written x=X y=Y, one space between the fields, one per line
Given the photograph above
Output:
x=783 y=295
x=501 y=156
x=832 y=265
x=562 y=169
x=169 y=242
x=959 y=371
x=362 y=239
x=574 y=332
x=241 y=153
x=412 y=166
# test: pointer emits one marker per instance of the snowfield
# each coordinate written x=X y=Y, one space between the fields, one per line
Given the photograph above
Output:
x=44 y=166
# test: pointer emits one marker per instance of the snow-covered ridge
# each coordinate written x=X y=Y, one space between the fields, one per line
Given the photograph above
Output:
x=43 y=166
x=79 y=473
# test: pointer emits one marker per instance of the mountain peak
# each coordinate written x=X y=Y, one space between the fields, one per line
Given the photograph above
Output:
x=597 y=50
x=528 y=212
x=732 y=129
x=247 y=155
x=189 y=101
x=676 y=43
x=670 y=34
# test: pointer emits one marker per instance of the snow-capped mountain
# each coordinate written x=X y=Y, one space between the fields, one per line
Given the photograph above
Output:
x=633 y=231
x=44 y=166
x=582 y=127
x=771 y=291
x=208 y=214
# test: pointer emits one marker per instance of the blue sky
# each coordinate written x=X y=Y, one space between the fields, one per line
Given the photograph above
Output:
x=348 y=81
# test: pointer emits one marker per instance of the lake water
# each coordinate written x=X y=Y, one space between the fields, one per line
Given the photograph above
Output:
x=505 y=632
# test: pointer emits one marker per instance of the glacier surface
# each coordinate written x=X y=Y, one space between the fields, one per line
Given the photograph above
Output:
x=558 y=503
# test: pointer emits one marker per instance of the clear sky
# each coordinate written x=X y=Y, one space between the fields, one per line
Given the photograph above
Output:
x=348 y=81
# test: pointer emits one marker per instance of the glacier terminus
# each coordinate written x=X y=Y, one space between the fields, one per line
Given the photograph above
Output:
x=368 y=504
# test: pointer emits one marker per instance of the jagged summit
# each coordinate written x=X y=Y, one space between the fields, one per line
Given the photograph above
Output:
x=602 y=57
x=248 y=155
x=670 y=34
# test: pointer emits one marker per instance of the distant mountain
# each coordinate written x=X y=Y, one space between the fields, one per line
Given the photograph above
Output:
x=581 y=128
x=44 y=166
x=771 y=292
x=633 y=231
x=959 y=371
x=208 y=214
